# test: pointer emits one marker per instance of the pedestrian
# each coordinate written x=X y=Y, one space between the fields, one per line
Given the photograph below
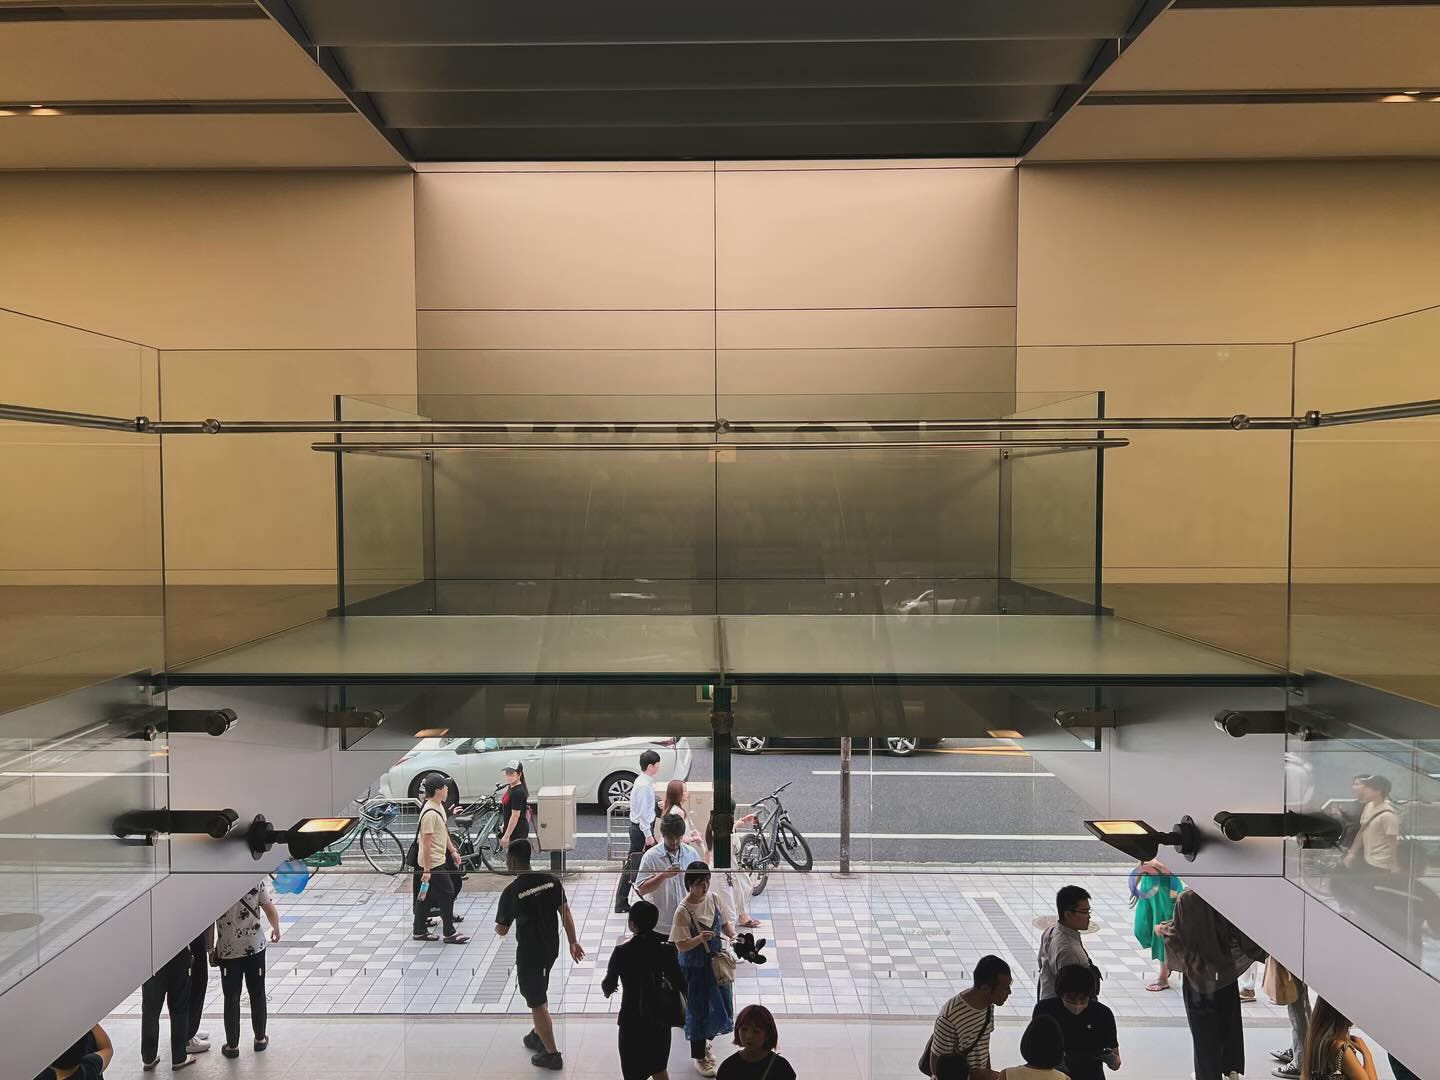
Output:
x=1211 y=955
x=434 y=882
x=1060 y=945
x=1332 y=1050
x=514 y=805
x=642 y=825
x=677 y=802
x=757 y=1037
x=1283 y=988
x=698 y=931
x=240 y=954
x=199 y=1041
x=734 y=888
x=647 y=967
x=1153 y=891
x=86 y=1059
x=535 y=905
x=661 y=868
x=1043 y=1049
x=169 y=987
x=967 y=1020
x=1091 y=1040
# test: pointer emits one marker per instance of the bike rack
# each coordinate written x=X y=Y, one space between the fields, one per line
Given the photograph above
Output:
x=614 y=850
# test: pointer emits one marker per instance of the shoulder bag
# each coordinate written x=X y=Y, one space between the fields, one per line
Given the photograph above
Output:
x=669 y=1002
x=412 y=856
x=722 y=963
x=963 y=1055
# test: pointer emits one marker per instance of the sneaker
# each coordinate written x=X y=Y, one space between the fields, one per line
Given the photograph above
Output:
x=149 y=1066
x=1287 y=1072
x=1284 y=1057
x=543 y=1060
x=203 y=1036
x=189 y=1060
x=230 y=1051
x=532 y=1042
x=261 y=1043
x=197 y=1045
x=705 y=1066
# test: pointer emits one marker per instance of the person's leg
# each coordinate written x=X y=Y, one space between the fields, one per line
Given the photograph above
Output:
x=442 y=890
x=420 y=926
x=545 y=1028
x=1231 y=1029
x=255 y=987
x=177 y=1001
x=1299 y=1013
x=699 y=1048
x=152 y=996
x=231 y=980
x=627 y=875
x=1204 y=1034
x=199 y=983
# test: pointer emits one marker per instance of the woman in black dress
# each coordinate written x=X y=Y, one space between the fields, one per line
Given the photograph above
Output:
x=644 y=964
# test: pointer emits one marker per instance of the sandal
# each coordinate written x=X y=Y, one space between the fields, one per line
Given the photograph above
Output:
x=424 y=937
x=1157 y=986
x=178 y=1065
x=457 y=939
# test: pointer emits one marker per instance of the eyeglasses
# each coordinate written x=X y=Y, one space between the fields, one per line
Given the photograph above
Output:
x=1080 y=911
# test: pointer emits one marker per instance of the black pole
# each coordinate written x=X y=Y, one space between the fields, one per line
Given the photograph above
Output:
x=845 y=755
x=722 y=725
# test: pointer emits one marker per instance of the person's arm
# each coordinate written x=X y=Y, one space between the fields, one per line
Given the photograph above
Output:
x=1357 y=1061
x=510 y=828
x=504 y=912
x=272 y=915
x=942 y=1041
x=611 y=982
x=655 y=880
x=577 y=951
x=106 y=1049
x=681 y=938
x=727 y=927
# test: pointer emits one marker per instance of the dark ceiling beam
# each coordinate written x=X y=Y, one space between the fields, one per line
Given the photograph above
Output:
x=631 y=67
x=450 y=22
x=137 y=11
x=326 y=60
x=967 y=104
x=725 y=143
x=1110 y=51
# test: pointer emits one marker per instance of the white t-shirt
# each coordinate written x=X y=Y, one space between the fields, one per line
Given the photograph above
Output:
x=240 y=931
x=690 y=918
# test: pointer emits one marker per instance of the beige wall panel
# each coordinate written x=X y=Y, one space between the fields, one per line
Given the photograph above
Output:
x=545 y=240
x=568 y=372
x=565 y=329
x=252 y=509
x=892 y=238
x=874 y=328
x=812 y=372
x=156 y=60
x=214 y=259
x=1239 y=253
x=1186 y=506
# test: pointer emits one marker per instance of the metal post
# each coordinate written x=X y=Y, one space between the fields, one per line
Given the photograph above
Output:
x=722 y=725
x=845 y=755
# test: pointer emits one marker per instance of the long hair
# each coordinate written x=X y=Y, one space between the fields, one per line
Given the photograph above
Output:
x=674 y=796
x=1327 y=1026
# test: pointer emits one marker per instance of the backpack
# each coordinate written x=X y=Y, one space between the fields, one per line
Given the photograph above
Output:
x=412 y=854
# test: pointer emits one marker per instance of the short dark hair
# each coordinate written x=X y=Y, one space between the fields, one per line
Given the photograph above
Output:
x=758 y=1016
x=434 y=782
x=1074 y=979
x=643 y=916
x=1068 y=897
x=517 y=855
x=1378 y=783
x=1043 y=1044
x=648 y=758
x=75 y=1051
x=696 y=871
x=672 y=825
x=989 y=970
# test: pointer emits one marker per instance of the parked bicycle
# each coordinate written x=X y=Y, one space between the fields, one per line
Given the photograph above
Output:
x=476 y=831
x=380 y=846
x=773 y=836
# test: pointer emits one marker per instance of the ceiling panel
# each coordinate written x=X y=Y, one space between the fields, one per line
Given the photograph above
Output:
x=454 y=80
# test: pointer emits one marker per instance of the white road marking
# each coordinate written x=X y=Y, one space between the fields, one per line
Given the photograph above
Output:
x=921 y=772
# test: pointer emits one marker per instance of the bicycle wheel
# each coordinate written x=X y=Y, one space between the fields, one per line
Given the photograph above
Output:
x=487 y=845
x=382 y=849
x=752 y=860
x=794 y=847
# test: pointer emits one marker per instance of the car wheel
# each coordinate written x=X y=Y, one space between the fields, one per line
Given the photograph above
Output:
x=750 y=744
x=616 y=788
x=452 y=797
x=899 y=746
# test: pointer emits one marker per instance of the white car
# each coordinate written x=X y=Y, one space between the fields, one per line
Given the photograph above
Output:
x=601 y=772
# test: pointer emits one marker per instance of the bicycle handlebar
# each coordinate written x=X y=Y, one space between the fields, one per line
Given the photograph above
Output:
x=774 y=795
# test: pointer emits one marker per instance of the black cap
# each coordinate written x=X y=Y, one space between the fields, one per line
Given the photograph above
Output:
x=434 y=783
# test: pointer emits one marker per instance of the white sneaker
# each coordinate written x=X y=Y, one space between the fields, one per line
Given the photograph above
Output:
x=203 y=1036
x=197 y=1045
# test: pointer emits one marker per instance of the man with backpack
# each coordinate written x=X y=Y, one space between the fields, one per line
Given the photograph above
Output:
x=435 y=882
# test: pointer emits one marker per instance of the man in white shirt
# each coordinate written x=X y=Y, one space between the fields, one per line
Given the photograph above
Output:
x=662 y=868
x=642 y=824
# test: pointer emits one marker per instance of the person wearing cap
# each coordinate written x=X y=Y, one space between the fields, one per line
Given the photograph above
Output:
x=514 y=805
x=432 y=842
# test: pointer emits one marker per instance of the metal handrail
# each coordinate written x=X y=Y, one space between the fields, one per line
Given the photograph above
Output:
x=989 y=444
x=1237 y=422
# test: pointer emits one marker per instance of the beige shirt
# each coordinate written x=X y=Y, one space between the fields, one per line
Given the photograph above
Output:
x=1380 y=835
x=433 y=836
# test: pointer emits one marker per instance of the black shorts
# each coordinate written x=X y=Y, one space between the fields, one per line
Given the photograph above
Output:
x=533 y=977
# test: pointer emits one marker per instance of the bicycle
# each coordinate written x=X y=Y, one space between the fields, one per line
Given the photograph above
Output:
x=773 y=836
x=380 y=846
x=478 y=836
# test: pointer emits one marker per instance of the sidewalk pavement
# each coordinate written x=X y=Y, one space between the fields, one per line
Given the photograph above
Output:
x=870 y=945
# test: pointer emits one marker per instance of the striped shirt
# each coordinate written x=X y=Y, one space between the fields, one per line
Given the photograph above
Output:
x=962 y=1029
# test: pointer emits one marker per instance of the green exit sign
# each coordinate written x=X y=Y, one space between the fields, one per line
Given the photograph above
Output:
x=706 y=694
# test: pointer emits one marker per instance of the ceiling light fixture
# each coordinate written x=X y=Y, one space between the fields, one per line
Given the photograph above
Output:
x=1142 y=843
x=304 y=838
x=1004 y=733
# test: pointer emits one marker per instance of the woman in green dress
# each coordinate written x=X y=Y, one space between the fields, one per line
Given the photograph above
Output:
x=1153 y=889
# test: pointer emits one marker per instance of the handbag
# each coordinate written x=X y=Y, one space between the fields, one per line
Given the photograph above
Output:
x=962 y=1067
x=722 y=962
x=669 y=1003
x=1279 y=984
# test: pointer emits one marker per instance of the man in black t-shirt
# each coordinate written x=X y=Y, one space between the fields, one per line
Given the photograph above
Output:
x=535 y=904
x=1091 y=1041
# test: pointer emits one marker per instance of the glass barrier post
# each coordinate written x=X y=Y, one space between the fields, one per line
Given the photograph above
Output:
x=722 y=725
x=339 y=515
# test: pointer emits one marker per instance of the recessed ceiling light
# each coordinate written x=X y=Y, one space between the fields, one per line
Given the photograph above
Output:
x=1004 y=733
x=432 y=733
x=1397 y=97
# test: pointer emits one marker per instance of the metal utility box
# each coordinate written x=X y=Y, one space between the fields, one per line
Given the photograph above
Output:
x=555 y=818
